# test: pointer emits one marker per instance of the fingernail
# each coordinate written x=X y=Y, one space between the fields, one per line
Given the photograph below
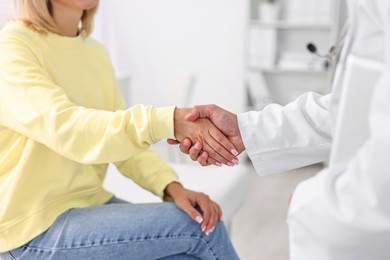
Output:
x=208 y=232
x=203 y=229
x=235 y=161
x=199 y=219
x=230 y=164
x=218 y=164
x=187 y=142
x=211 y=230
x=234 y=152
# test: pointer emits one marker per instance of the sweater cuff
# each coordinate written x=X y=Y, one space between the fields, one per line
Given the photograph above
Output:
x=162 y=123
x=162 y=182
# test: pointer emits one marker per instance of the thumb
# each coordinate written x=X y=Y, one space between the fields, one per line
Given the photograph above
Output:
x=192 y=116
x=198 y=112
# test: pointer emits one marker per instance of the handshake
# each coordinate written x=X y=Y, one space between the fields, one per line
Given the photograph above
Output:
x=209 y=134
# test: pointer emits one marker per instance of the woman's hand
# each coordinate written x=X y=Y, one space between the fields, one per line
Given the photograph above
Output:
x=218 y=147
x=187 y=200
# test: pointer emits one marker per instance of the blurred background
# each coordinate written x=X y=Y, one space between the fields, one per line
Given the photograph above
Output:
x=238 y=54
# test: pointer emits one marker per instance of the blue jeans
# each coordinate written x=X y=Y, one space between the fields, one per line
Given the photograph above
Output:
x=119 y=230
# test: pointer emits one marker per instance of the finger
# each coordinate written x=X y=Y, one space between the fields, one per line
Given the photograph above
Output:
x=221 y=144
x=172 y=141
x=195 y=151
x=192 y=212
x=214 y=154
x=210 y=161
x=205 y=207
x=203 y=159
x=225 y=142
x=213 y=218
x=185 y=145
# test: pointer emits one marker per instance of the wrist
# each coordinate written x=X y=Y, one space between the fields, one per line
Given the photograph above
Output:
x=173 y=189
x=178 y=118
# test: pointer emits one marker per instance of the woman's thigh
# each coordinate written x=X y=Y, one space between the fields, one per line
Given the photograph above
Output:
x=127 y=231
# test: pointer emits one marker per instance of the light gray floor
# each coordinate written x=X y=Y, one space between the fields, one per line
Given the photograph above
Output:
x=259 y=230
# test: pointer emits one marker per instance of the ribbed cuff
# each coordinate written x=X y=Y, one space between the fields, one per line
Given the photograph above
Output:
x=162 y=120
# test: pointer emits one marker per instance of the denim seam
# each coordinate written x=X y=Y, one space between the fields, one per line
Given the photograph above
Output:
x=9 y=252
x=120 y=242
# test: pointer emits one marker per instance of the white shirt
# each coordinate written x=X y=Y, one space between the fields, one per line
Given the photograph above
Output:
x=343 y=212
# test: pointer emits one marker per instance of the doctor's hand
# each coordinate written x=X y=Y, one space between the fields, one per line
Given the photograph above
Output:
x=203 y=132
x=224 y=120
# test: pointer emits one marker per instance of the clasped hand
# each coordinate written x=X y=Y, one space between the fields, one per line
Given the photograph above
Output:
x=209 y=134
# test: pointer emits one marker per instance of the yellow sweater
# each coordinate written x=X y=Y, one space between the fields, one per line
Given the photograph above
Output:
x=62 y=120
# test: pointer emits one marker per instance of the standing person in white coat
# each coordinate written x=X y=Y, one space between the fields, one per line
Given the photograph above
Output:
x=344 y=211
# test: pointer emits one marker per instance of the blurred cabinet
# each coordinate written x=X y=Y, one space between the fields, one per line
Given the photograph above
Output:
x=278 y=46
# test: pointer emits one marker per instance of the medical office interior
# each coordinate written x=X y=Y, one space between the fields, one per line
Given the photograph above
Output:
x=238 y=54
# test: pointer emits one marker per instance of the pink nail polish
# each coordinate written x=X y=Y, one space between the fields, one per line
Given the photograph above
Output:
x=235 y=161
x=230 y=164
x=218 y=164
x=234 y=152
x=199 y=219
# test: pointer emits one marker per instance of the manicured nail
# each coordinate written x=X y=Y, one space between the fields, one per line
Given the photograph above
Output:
x=230 y=164
x=218 y=164
x=203 y=229
x=187 y=142
x=235 y=161
x=211 y=230
x=208 y=232
x=199 y=219
x=234 y=152
x=197 y=146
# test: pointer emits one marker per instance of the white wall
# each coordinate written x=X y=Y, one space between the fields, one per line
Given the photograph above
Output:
x=7 y=11
x=159 y=43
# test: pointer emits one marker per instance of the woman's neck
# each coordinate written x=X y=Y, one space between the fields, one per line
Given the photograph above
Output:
x=66 y=18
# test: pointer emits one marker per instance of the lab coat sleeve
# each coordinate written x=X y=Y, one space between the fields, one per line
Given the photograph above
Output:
x=281 y=138
x=345 y=211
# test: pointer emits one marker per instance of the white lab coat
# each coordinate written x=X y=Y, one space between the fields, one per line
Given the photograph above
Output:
x=344 y=211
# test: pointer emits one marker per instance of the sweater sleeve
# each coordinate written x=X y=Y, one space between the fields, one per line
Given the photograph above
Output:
x=34 y=106
x=147 y=168
x=149 y=171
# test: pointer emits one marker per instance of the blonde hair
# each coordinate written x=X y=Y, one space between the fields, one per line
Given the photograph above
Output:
x=37 y=15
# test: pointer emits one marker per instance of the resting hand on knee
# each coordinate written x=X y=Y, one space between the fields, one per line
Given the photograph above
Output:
x=187 y=200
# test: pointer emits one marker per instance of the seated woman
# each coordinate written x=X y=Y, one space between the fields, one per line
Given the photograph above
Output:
x=62 y=120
